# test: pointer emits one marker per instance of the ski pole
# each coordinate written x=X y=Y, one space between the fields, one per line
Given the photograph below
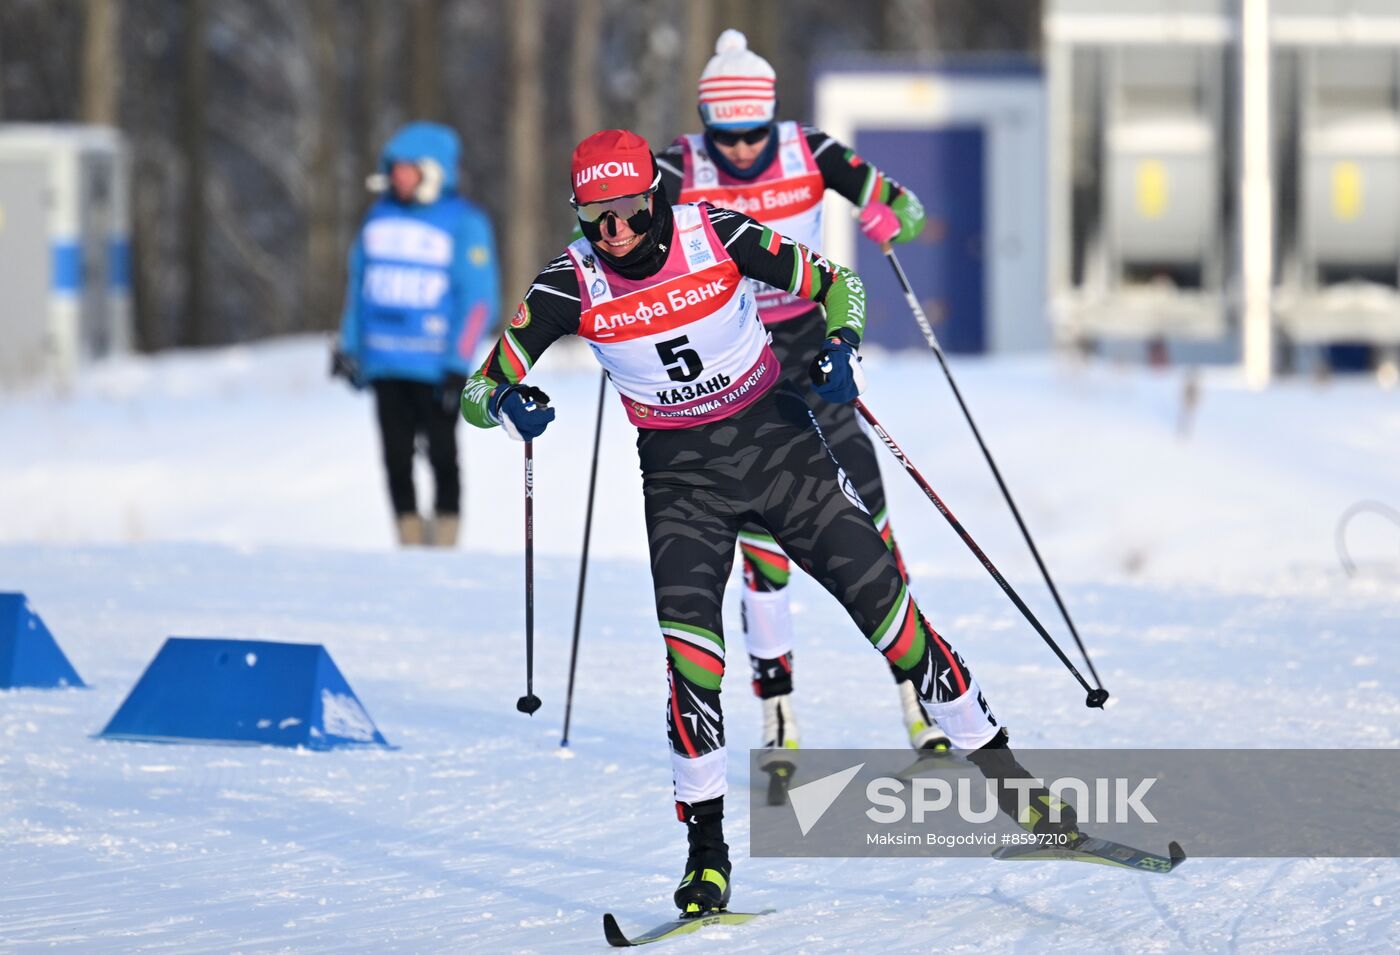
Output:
x=1096 y=697
x=932 y=340
x=583 y=561
x=529 y=702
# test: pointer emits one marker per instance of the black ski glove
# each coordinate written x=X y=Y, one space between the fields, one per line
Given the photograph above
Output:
x=344 y=365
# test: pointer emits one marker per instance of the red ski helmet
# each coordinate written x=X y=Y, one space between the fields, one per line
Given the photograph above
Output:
x=612 y=163
x=613 y=173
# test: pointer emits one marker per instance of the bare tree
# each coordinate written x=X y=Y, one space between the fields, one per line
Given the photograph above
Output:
x=425 y=83
x=526 y=136
x=909 y=25
x=700 y=34
x=587 y=110
x=101 y=64
x=323 y=239
x=374 y=52
x=193 y=139
x=771 y=36
x=739 y=14
x=968 y=25
x=659 y=63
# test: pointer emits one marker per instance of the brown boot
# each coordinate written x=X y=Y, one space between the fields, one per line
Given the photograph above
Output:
x=410 y=530
x=445 y=530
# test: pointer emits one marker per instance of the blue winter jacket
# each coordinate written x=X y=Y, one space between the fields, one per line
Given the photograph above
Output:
x=423 y=283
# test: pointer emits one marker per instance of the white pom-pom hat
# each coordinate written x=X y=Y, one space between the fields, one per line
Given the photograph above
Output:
x=738 y=88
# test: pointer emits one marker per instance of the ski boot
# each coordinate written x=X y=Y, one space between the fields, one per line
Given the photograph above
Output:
x=409 y=528
x=780 y=743
x=924 y=734
x=444 y=530
x=705 y=887
x=997 y=762
x=772 y=684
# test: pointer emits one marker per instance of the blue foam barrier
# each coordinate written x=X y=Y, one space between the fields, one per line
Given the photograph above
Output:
x=243 y=691
x=29 y=655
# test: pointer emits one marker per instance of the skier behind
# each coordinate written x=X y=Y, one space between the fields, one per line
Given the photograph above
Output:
x=778 y=173
x=422 y=289
x=663 y=296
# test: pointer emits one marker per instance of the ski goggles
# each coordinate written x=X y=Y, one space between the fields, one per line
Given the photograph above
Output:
x=733 y=137
x=624 y=207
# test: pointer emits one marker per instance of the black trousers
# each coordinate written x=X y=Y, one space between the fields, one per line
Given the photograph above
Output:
x=766 y=570
x=769 y=466
x=407 y=409
x=795 y=343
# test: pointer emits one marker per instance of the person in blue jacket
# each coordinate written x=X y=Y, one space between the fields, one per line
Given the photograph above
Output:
x=423 y=288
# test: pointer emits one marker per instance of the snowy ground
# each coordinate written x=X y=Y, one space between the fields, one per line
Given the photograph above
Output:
x=237 y=493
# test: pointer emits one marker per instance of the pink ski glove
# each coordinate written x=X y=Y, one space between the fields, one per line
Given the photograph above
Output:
x=879 y=223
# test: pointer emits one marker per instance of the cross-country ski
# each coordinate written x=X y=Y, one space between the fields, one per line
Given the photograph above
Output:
x=674 y=928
